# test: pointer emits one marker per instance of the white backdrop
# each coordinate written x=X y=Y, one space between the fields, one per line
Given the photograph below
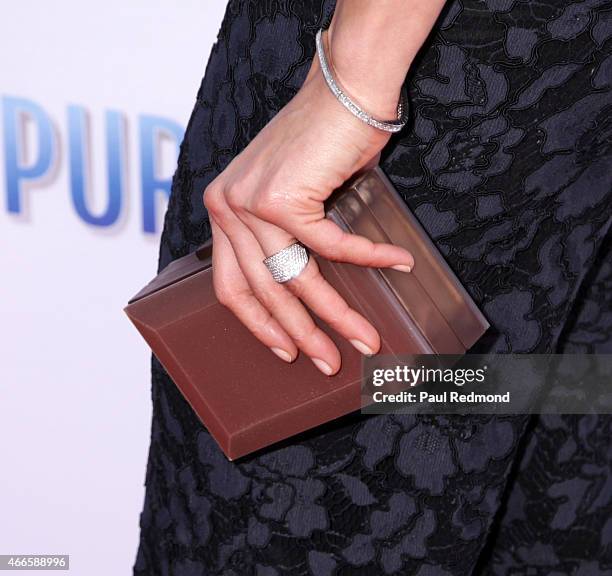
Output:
x=74 y=382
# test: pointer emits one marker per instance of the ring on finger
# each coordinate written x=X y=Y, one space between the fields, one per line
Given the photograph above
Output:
x=288 y=263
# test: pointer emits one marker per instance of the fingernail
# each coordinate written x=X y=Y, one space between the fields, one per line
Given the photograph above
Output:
x=363 y=348
x=282 y=354
x=402 y=267
x=323 y=366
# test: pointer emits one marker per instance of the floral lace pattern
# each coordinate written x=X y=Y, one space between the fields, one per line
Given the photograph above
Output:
x=506 y=163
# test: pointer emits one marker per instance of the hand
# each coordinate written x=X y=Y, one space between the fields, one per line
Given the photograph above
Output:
x=272 y=194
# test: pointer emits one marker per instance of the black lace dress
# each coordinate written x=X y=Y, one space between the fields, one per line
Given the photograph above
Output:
x=507 y=165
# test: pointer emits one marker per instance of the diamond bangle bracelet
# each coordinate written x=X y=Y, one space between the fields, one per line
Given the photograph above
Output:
x=351 y=105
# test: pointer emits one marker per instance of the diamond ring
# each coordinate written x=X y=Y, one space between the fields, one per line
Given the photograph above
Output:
x=288 y=263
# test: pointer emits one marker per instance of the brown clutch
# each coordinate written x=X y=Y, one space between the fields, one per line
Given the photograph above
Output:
x=248 y=398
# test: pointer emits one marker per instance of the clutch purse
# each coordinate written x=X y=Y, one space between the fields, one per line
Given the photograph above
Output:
x=249 y=399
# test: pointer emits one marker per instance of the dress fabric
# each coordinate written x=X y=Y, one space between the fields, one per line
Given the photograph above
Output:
x=506 y=163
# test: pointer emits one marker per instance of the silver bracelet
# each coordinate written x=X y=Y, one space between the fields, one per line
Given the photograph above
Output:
x=352 y=106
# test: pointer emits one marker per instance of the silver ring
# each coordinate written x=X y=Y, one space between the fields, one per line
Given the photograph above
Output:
x=288 y=263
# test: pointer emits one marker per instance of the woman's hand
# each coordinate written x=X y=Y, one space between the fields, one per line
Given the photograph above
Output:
x=271 y=195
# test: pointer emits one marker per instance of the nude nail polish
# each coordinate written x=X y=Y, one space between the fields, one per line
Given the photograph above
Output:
x=363 y=348
x=402 y=267
x=323 y=366
x=282 y=354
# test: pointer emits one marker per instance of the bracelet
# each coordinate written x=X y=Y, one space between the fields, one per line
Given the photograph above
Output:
x=352 y=106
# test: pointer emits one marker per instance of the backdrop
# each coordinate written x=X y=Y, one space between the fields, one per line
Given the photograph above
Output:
x=94 y=98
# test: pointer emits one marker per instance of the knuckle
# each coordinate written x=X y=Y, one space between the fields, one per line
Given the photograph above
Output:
x=338 y=316
x=269 y=298
x=213 y=200
x=267 y=206
x=235 y=198
x=225 y=294
x=331 y=250
x=223 y=297
x=305 y=334
x=275 y=298
x=331 y=253
x=263 y=328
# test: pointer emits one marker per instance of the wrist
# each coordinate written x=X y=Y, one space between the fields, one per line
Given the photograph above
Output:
x=317 y=94
x=365 y=73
